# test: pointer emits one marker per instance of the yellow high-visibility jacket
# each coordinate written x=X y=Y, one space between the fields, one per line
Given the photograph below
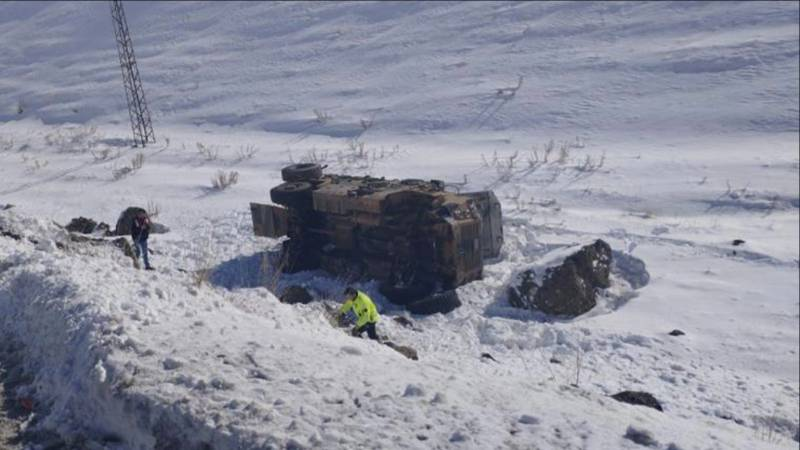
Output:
x=365 y=310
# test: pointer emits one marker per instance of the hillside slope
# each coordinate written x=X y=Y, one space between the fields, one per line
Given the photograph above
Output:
x=667 y=129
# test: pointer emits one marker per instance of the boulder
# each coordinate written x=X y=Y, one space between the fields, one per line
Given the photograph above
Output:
x=413 y=390
x=81 y=225
x=676 y=332
x=638 y=398
x=408 y=352
x=567 y=289
x=522 y=295
x=296 y=294
x=404 y=322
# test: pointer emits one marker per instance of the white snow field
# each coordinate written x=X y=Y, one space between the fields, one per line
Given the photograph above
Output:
x=674 y=130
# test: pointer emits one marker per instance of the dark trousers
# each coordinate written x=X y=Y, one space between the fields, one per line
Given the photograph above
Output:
x=369 y=328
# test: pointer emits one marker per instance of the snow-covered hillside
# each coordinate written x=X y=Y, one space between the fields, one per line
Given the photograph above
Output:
x=672 y=130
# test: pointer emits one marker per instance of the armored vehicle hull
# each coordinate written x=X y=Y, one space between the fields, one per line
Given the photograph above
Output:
x=411 y=235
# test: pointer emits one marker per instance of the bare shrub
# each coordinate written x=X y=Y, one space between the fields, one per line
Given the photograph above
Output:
x=222 y=180
x=34 y=164
x=315 y=156
x=137 y=161
x=591 y=165
x=208 y=153
x=555 y=160
x=246 y=152
x=6 y=144
x=104 y=155
x=73 y=139
x=121 y=172
x=563 y=153
x=366 y=124
x=201 y=276
x=321 y=117
x=153 y=209
x=358 y=156
x=356 y=148
x=458 y=185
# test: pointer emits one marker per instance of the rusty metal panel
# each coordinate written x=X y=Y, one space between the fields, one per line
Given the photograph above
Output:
x=269 y=220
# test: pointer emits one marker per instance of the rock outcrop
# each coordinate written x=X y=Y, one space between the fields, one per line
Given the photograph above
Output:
x=567 y=289
x=638 y=398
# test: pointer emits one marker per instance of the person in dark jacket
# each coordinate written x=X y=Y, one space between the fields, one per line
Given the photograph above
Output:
x=140 y=231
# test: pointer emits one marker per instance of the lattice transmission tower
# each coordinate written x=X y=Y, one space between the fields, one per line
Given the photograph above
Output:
x=137 y=105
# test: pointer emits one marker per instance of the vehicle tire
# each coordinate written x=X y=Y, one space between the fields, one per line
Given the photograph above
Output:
x=301 y=172
x=404 y=294
x=296 y=194
x=440 y=302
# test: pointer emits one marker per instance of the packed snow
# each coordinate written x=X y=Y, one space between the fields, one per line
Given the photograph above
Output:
x=666 y=129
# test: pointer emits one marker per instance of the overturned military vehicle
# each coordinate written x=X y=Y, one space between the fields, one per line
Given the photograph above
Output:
x=411 y=235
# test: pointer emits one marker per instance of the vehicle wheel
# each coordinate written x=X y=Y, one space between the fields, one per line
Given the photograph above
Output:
x=440 y=302
x=301 y=172
x=295 y=194
x=403 y=294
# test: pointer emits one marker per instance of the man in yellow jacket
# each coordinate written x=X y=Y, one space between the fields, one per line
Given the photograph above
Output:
x=366 y=313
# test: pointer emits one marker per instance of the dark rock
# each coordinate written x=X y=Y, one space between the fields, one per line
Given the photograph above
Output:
x=638 y=398
x=522 y=295
x=406 y=351
x=568 y=289
x=458 y=437
x=641 y=437
x=296 y=294
x=737 y=242
x=593 y=262
x=528 y=420
x=413 y=390
x=676 y=332
x=555 y=360
x=488 y=356
x=6 y=207
x=404 y=321
x=9 y=234
x=565 y=292
x=440 y=302
x=87 y=226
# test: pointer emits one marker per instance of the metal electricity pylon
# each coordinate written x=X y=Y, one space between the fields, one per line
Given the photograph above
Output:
x=137 y=106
